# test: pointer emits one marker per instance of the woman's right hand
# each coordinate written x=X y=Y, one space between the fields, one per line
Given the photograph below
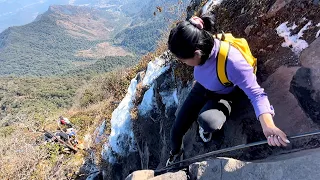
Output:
x=274 y=135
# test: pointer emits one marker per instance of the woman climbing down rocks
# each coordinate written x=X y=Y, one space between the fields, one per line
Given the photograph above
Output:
x=224 y=70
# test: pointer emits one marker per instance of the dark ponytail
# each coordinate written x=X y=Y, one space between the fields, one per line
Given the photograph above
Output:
x=186 y=38
x=208 y=20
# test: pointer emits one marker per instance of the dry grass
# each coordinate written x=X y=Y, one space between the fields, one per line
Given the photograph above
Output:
x=19 y=154
x=102 y=50
x=25 y=155
x=134 y=113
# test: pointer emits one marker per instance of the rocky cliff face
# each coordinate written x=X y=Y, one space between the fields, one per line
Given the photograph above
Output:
x=293 y=117
x=290 y=81
x=294 y=166
x=306 y=84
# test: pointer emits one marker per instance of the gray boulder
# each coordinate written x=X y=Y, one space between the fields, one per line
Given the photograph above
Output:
x=305 y=84
x=141 y=175
x=295 y=166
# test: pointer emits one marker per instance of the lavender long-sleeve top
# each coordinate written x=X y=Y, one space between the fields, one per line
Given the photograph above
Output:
x=239 y=72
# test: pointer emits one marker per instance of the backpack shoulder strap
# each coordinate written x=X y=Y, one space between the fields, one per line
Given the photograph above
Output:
x=222 y=63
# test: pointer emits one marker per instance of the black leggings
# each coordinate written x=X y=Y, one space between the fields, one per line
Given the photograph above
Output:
x=214 y=114
x=210 y=109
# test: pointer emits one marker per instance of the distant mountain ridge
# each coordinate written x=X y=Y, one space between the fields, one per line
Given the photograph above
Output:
x=49 y=45
x=21 y=12
x=86 y=22
x=68 y=37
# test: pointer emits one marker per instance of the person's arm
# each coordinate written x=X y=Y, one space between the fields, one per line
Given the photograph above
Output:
x=241 y=74
x=186 y=116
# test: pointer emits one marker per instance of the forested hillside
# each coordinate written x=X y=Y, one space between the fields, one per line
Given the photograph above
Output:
x=140 y=39
x=58 y=40
x=48 y=46
x=150 y=24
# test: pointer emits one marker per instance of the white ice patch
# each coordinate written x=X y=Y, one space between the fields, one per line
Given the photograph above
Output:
x=102 y=128
x=209 y=4
x=318 y=33
x=147 y=101
x=99 y=132
x=303 y=19
x=154 y=70
x=294 y=26
x=169 y=98
x=293 y=41
x=175 y=96
x=121 y=139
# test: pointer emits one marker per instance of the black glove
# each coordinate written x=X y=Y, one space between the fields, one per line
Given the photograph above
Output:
x=174 y=157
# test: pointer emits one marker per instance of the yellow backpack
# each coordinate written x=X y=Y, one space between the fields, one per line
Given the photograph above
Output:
x=241 y=44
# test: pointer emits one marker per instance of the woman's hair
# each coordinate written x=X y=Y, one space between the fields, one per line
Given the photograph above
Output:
x=186 y=38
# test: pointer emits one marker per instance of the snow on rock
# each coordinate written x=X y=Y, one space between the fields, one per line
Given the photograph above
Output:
x=147 y=101
x=169 y=98
x=154 y=70
x=293 y=41
x=99 y=132
x=303 y=19
x=318 y=33
x=175 y=96
x=121 y=139
x=209 y=4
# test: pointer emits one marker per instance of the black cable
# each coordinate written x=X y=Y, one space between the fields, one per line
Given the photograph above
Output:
x=174 y=166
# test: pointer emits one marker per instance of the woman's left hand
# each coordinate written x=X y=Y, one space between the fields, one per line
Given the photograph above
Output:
x=274 y=135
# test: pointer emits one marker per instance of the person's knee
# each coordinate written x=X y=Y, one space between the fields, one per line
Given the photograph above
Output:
x=211 y=120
